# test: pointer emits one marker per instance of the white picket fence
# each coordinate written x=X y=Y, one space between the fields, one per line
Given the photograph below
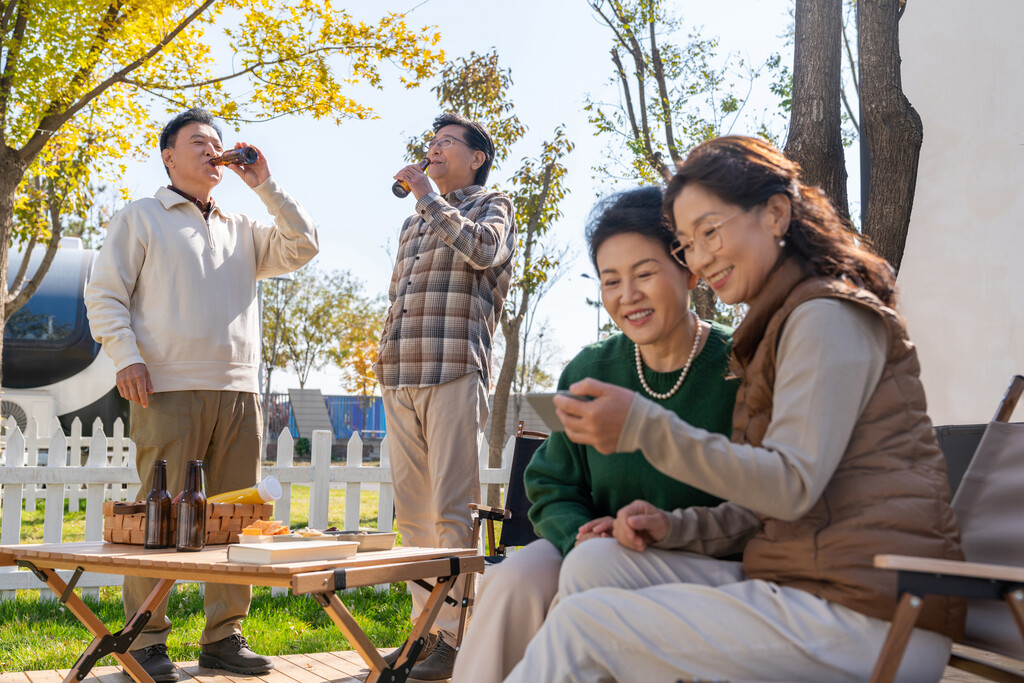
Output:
x=108 y=473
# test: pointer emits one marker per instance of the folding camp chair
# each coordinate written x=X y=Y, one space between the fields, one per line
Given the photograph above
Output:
x=516 y=529
x=988 y=509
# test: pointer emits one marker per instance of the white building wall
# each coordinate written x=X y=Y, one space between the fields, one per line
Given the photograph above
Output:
x=962 y=276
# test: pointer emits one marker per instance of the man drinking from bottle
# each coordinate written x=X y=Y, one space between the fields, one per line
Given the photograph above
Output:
x=451 y=277
x=173 y=302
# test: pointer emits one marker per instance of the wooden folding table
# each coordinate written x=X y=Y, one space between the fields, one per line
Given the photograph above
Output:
x=321 y=579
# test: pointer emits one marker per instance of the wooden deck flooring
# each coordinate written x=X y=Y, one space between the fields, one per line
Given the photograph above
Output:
x=333 y=667
x=317 y=667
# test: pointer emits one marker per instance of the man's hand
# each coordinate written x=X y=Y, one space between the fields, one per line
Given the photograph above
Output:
x=413 y=176
x=253 y=174
x=640 y=524
x=595 y=528
x=135 y=384
x=599 y=422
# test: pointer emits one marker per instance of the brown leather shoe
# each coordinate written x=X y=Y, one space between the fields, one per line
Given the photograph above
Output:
x=429 y=642
x=155 y=662
x=437 y=666
x=233 y=653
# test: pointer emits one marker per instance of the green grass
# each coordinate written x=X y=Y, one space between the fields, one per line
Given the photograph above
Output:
x=37 y=634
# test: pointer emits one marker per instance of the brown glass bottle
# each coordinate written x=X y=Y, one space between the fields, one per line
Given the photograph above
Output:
x=158 y=510
x=192 y=510
x=401 y=188
x=240 y=156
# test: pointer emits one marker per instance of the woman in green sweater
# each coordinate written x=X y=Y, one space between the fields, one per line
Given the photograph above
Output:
x=664 y=353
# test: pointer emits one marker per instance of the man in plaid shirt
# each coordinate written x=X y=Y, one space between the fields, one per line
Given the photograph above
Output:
x=451 y=277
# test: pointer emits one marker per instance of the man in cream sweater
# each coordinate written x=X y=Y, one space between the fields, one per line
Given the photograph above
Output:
x=172 y=300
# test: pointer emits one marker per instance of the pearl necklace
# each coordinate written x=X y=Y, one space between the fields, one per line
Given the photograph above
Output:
x=682 y=375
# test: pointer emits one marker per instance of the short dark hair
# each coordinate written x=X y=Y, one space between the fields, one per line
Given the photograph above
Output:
x=169 y=135
x=477 y=138
x=636 y=211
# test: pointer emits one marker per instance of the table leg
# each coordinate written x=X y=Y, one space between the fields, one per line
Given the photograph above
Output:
x=343 y=619
x=101 y=635
x=464 y=612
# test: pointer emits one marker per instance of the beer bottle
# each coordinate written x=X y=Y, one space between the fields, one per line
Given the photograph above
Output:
x=401 y=188
x=240 y=156
x=158 y=510
x=192 y=509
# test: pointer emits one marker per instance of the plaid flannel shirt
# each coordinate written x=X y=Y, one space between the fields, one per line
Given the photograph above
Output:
x=451 y=277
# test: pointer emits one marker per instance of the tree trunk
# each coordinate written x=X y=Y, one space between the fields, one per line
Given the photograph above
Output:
x=704 y=301
x=12 y=170
x=502 y=389
x=892 y=128
x=815 y=127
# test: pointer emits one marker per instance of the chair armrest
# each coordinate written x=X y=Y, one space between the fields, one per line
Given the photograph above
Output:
x=930 y=565
x=487 y=512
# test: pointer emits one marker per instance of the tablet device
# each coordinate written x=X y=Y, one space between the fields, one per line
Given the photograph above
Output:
x=544 y=405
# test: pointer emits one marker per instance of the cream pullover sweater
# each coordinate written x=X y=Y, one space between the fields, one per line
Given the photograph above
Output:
x=178 y=293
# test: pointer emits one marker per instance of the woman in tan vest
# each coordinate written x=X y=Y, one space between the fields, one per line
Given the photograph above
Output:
x=831 y=447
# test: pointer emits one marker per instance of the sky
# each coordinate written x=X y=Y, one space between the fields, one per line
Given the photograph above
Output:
x=558 y=53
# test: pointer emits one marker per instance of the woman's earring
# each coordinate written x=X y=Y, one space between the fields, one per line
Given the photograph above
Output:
x=782 y=242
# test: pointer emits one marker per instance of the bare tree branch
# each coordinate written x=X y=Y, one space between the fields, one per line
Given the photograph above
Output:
x=6 y=16
x=596 y=6
x=256 y=65
x=19 y=295
x=19 y=278
x=856 y=84
x=626 y=92
x=110 y=21
x=50 y=123
x=11 y=63
x=659 y=77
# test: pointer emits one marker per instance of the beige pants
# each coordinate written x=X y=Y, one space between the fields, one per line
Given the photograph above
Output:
x=679 y=615
x=224 y=429
x=432 y=435
x=511 y=604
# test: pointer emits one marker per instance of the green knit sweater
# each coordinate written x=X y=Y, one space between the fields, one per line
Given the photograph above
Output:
x=571 y=484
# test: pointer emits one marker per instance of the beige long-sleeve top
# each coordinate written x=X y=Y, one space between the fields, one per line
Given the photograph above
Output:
x=830 y=357
x=178 y=293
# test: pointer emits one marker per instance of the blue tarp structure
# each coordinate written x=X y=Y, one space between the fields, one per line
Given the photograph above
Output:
x=363 y=414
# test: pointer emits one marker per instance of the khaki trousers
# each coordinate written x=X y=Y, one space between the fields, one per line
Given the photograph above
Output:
x=224 y=429
x=433 y=435
x=678 y=615
x=511 y=603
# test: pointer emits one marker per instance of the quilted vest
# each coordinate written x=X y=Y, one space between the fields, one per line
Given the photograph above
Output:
x=889 y=494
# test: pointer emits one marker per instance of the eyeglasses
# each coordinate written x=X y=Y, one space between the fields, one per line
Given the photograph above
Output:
x=444 y=142
x=707 y=239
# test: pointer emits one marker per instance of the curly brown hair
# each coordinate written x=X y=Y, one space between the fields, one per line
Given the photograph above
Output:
x=748 y=171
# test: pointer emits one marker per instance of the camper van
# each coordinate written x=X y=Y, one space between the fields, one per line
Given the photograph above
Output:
x=52 y=367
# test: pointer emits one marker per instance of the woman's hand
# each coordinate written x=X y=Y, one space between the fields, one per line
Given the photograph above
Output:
x=595 y=528
x=599 y=422
x=640 y=524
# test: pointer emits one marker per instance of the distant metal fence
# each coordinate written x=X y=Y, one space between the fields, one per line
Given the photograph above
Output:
x=349 y=414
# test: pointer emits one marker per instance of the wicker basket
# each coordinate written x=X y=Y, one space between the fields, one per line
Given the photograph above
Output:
x=223 y=522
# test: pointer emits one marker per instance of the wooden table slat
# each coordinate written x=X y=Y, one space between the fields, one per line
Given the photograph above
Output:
x=14 y=677
x=287 y=672
x=45 y=676
x=312 y=664
x=335 y=662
